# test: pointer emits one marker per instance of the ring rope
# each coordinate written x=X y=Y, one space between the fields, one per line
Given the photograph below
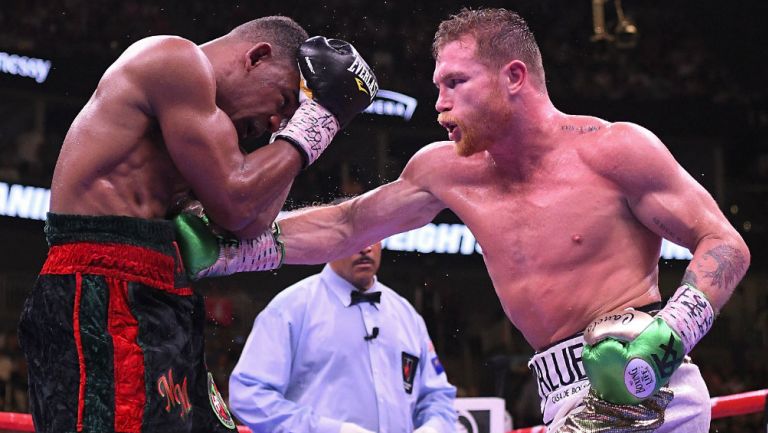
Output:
x=722 y=407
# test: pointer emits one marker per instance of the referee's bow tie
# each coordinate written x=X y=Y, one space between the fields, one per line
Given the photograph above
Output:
x=371 y=298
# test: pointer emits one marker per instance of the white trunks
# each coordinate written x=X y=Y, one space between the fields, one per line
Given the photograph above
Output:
x=568 y=406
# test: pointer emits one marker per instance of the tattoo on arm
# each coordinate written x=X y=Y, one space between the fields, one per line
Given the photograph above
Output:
x=730 y=266
x=689 y=278
x=668 y=233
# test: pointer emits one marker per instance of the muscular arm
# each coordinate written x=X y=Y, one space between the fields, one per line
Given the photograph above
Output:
x=242 y=193
x=318 y=235
x=667 y=200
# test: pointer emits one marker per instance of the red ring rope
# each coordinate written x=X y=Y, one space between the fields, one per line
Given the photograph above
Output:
x=722 y=407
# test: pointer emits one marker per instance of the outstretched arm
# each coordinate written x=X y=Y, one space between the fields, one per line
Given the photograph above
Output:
x=314 y=235
x=322 y=234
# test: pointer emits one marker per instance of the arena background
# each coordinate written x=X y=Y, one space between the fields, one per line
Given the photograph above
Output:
x=695 y=75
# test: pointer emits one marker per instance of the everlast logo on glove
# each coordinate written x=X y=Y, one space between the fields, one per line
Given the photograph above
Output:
x=336 y=84
x=366 y=81
x=336 y=76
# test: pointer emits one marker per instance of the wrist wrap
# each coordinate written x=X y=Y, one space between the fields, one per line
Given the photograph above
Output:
x=261 y=253
x=688 y=313
x=311 y=130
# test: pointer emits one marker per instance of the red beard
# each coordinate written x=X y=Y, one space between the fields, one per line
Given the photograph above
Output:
x=479 y=128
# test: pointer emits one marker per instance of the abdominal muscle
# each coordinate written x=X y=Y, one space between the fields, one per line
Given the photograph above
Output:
x=557 y=313
x=555 y=296
x=114 y=162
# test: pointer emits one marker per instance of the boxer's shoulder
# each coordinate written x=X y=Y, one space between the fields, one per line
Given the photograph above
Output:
x=165 y=61
x=162 y=43
x=437 y=153
x=431 y=159
x=166 y=48
x=620 y=149
x=437 y=147
x=170 y=70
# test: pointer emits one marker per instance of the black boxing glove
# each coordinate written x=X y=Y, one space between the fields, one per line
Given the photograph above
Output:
x=337 y=77
x=336 y=85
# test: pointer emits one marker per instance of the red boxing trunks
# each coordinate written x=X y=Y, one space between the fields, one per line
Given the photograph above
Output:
x=113 y=333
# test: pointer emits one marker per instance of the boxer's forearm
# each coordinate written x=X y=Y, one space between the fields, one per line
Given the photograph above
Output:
x=319 y=235
x=253 y=189
x=717 y=266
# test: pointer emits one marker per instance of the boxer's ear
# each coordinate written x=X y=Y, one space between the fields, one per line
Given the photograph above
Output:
x=257 y=54
x=514 y=75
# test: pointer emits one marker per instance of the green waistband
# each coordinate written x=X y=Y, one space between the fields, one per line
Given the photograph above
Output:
x=156 y=233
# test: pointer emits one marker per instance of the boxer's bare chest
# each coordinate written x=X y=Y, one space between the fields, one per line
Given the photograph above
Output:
x=553 y=217
x=121 y=167
x=548 y=242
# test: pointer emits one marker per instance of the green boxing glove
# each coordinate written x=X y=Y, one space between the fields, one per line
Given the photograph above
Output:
x=207 y=253
x=629 y=355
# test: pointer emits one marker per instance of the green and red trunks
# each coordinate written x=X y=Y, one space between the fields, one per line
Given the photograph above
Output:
x=113 y=333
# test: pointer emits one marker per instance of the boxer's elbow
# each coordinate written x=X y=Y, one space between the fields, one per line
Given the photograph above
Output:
x=733 y=259
x=233 y=218
x=739 y=251
x=244 y=213
x=743 y=251
x=729 y=250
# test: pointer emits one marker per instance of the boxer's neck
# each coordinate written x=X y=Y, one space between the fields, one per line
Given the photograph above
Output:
x=530 y=133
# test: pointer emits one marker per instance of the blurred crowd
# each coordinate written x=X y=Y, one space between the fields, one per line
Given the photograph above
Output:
x=683 y=49
x=701 y=60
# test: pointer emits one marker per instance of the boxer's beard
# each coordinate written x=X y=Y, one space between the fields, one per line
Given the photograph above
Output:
x=479 y=128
